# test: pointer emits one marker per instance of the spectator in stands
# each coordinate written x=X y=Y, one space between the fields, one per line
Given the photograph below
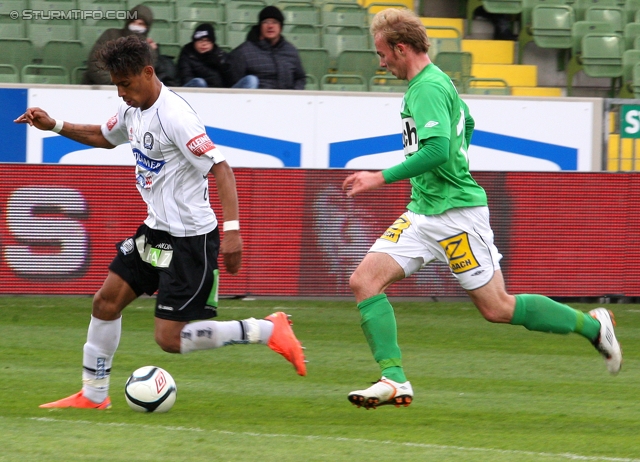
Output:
x=267 y=55
x=141 y=26
x=202 y=63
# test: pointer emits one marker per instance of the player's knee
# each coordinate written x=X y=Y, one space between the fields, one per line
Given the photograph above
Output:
x=170 y=345
x=103 y=307
x=356 y=283
x=496 y=313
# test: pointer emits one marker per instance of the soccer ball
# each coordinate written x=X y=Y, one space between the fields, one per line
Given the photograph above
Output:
x=150 y=389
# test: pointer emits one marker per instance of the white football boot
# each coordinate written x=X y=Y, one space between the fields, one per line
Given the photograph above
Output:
x=606 y=343
x=384 y=391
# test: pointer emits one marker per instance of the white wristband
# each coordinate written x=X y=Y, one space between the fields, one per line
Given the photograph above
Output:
x=58 y=126
x=231 y=225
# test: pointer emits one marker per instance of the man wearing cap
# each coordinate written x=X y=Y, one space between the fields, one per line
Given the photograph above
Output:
x=267 y=55
x=202 y=63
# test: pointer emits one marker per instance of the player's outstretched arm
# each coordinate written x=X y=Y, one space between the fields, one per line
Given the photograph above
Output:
x=231 y=246
x=90 y=135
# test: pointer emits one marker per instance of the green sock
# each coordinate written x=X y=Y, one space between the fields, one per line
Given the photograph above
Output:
x=379 y=326
x=540 y=313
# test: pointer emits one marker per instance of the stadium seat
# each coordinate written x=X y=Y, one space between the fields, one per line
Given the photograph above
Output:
x=40 y=73
x=163 y=10
x=53 y=5
x=443 y=38
x=343 y=14
x=236 y=32
x=387 y=83
x=243 y=11
x=303 y=36
x=472 y=6
x=342 y=82
x=579 y=30
x=631 y=33
x=636 y=81
x=164 y=31
x=612 y=15
x=337 y=39
x=90 y=31
x=40 y=32
x=485 y=86
x=7 y=6
x=12 y=28
x=360 y=62
x=170 y=49
x=457 y=65
x=77 y=75
x=9 y=74
x=631 y=7
x=68 y=54
x=311 y=83
x=551 y=26
x=602 y=54
x=581 y=6
x=297 y=13
x=503 y=6
x=213 y=12
x=629 y=59
x=315 y=62
x=17 y=52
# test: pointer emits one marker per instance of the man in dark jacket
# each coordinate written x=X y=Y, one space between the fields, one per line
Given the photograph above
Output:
x=202 y=63
x=140 y=23
x=267 y=55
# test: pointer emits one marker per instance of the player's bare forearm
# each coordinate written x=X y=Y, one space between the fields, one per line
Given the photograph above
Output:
x=231 y=245
x=86 y=134
x=90 y=135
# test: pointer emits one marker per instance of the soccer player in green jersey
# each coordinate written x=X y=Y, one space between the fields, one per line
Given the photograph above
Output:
x=447 y=219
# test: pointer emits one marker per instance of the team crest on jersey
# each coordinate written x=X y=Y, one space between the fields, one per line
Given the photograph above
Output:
x=147 y=141
x=459 y=253
x=200 y=144
x=112 y=122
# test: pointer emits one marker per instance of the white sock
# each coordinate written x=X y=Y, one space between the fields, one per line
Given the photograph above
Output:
x=102 y=342
x=205 y=335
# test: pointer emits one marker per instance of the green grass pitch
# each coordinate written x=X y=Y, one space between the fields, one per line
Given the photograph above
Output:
x=483 y=392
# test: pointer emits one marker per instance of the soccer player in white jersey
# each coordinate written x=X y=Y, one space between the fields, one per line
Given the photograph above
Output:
x=175 y=250
x=447 y=219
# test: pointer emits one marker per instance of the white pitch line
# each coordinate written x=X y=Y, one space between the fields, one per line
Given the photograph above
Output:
x=567 y=456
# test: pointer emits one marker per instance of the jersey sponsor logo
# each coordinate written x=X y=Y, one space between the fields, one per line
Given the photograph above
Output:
x=458 y=251
x=431 y=123
x=395 y=230
x=112 y=122
x=147 y=141
x=409 y=135
x=165 y=307
x=200 y=144
x=147 y=163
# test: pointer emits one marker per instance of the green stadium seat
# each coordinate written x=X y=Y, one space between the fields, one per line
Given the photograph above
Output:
x=164 y=31
x=526 y=22
x=612 y=15
x=77 y=75
x=164 y=10
x=344 y=14
x=602 y=54
x=438 y=44
x=170 y=49
x=486 y=86
x=17 y=52
x=90 y=31
x=630 y=34
x=629 y=59
x=238 y=11
x=503 y=6
x=299 y=13
x=9 y=74
x=457 y=65
x=40 y=31
x=579 y=30
x=311 y=83
x=65 y=53
x=387 y=83
x=7 y=6
x=40 y=73
x=360 y=62
x=342 y=82
x=53 y=5
x=212 y=12
x=303 y=36
x=12 y=28
x=636 y=81
x=236 y=32
x=315 y=62
x=472 y=5
x=551 y=26
x=631 y=7
x=581 y=6
x=337 y=39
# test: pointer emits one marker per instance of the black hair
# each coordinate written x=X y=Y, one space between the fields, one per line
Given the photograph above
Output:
x=125 y=55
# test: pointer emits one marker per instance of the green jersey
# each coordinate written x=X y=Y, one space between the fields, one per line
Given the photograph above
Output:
x=432 y=107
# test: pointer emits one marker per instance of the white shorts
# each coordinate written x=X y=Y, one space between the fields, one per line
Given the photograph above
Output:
x=461 y=238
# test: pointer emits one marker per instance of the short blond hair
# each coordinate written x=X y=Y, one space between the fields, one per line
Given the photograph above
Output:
x=397 y=25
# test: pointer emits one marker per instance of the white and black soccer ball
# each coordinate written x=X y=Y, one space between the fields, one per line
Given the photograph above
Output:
x=150 y=389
